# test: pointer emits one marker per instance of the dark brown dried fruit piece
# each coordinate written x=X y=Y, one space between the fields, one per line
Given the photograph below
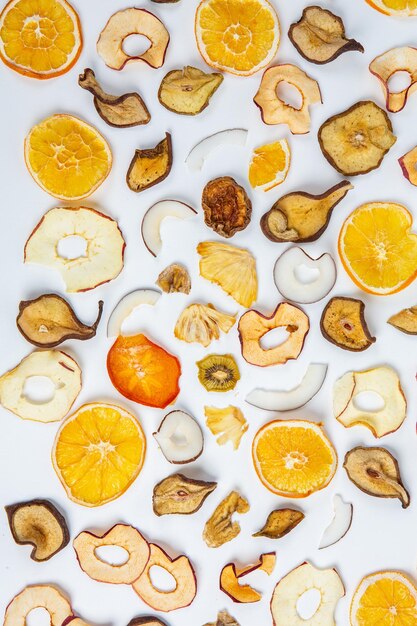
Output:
x=188 y=91
x=147 y=620
x=49 y=320
x=279 y=523
x=223 y=619
x=376 y=472
x=319 y=36
x=120 y=111
x=343 y=323
x=220 y=528
x=174 y=279
x=178 y=494
x=38 y=523
x=301 y=216
x=150 y=166
x=227 y=207
x=405 y=320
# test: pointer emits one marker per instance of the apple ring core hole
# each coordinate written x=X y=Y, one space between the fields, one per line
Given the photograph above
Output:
x=72 y=247
x=290 y=95
x=398 y=81
x=161 y=579
x=135 y=44
x=112 y=555
x=274 y=337
x=308 y=604
x=306 y=275
x=369 y=401
x=38 y=389
x=38 y=617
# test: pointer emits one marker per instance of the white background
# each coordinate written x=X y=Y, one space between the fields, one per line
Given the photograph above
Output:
x=383 y=536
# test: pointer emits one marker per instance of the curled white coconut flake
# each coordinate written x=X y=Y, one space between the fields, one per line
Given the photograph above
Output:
x=340 y=524
x=127 y=305
x=287 y=400
x=289 y=283
x=180 y=437
x=200 y=152
x=154 y=216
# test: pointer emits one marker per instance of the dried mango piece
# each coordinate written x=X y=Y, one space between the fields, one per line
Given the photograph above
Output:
x=319 y=36
x=220 y=528
x=188 y=91
x=279 y=523
x=229 y=423
x=178 y=494
x=227 y=207
x=343 y=323
x=150 y=166
x=385 y=65
x=405 y=320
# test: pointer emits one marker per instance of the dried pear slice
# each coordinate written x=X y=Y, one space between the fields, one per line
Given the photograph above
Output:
x=38 y=523
x=376 y=472
x=229 y=423
x=180 y=495
x=174 y=279
x=218 y=372
x=300 y=216
x=220 y=528
x=202 y=323
x=119 y=111
x=150 y=166
x=49 y=320
x=188 y=91
x=384 y=66
x=148 y=620
x=405 y=320
x=319 y=36
x=223 y=619
x=226 y=205
x=279 y=523
x=343 y=323
x=355 y=141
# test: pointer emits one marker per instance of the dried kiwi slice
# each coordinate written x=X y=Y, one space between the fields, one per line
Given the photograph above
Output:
x=150 y=166
x=218 y=372
x=343 y=323
x=188 y=91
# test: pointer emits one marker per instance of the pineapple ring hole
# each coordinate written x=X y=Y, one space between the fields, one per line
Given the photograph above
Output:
x=306 y=275
x=275 y=337
x=112 y=554
x=72 y=247
x=369 y=402
x=135 y=44
x=309 y=603
x=38 y=389
x=38 y=616
x=290 y=95
x=399 y=81
x=161 y=579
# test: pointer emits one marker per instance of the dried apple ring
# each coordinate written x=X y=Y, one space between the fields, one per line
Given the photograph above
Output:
x=128 y=22
x=185 y=582
x=32 y=597
x=384 y=66
x=127 y=537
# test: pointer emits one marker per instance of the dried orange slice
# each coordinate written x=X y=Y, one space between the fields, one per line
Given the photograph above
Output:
x=237 y=36
x=98 y=453
x=269 y=165
x=293 y=458
x=377 y=249
x=399 y=8
x=40 y=38
x=384 y=598
x=67 y=157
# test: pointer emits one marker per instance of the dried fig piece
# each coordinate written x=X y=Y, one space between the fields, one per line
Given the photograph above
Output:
x=405 y=320
x=279 y=523
x=202 y=323
x=188 y=91
x=180 y=495
x=355 y=141
x=49 y=320
x=119 y=111
x=223 y=619
x=38 y=523
x=376 y=472
x=403 y=59
x=220 y=528
x=301 y=216
x=343 y=323
x=150 y=166
x=174 y=279
x=227 y=207
x=229 y=423
x=319 y=36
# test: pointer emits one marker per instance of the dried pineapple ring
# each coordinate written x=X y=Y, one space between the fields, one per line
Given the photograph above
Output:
x=385 y=65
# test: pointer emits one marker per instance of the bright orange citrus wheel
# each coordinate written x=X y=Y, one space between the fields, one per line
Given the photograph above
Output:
x=398 y=8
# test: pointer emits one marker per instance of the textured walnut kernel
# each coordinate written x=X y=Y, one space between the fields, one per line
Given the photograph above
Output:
x=227 y=207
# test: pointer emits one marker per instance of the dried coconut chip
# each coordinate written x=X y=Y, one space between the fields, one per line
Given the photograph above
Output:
x=197 y=156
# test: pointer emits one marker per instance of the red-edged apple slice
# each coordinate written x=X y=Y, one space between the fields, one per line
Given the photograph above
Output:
x=340 y=524
x=384 y=66
x=292 y=287
x=129 y=303
x=277 y=400
x=408 y=163
x=197 y=155
x=154 y=216
x=32 y=597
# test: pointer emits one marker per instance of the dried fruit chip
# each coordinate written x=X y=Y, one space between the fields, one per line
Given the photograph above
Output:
x=201 y=323
x=180 y=437
x=229 y=423
x=274 y=110
x=405 y=320
x=398 y=8
x=279 y=523
x=376 y=472
x=408 y=164
x=288 y=275
x=319 y=36
x=49 y=320
x=227 y=208
x=178 y=494
x=230 y=575
x=119 y=111
x=301 y=216
x=188 y=91
x=32 y=597
x=223 y=619
x=220 y=528
x=340 y=524
x=343 y=323
x=385 y=65
x=150 y=166
x=229 y=137
x=356 y=140
x=129 y=303
x=38 y=523
x=218 y=372
x=148 y=620
x=269 y=165
x=155 y=215
x=174 y=279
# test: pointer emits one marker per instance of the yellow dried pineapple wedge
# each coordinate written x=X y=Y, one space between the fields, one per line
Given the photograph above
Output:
x=201 y=323
x=229 y=423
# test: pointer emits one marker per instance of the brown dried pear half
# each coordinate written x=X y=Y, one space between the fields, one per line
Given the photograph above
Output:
x=148 y=620
x=223 y=619
x=180 y=495
x=376 y=472
x=405 y=320
x=355 y=141
x=150 y=166
x=38 y=523
x=119 y=111
x=220 y=528
x=49 y=320
x=188 y=91
x=174 y=279
x=319 y=36
x=301 y=216
x=279 y=523
x=343 y=323
x=227 y=207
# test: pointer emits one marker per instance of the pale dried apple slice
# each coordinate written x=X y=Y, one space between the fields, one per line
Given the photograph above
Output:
x=121 y=535
x=289 y=284
x=132 y=21
x=382 y=381
x=201 y=151
x=276 y=111
x=103 y=259
x=230 y=575
x=32 y=597
x=180 y=437
x=188 y=91
x=185 y=582
x=155 y=215
x=129 y=303
x=408 y=164
x=65 y=375
x=150 y=166
x=384 y=66
x=340 y=524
